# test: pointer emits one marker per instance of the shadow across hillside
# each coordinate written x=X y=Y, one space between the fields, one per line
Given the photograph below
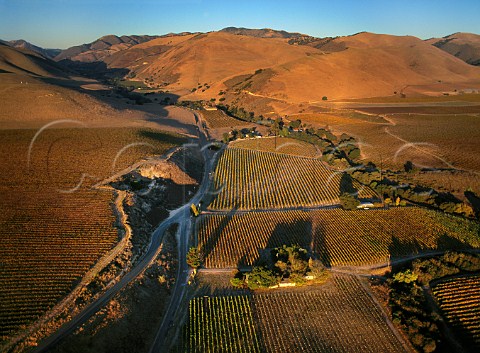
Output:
x=346 y=185
x=152 y=107
x=474 y=201
x=447 y=242
x=97 y=69
x=400 y=248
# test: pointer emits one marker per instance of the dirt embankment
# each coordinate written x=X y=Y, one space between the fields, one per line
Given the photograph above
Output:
x=153 y=189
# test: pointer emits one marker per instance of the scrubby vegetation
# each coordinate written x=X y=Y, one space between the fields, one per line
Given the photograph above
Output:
x=392 y=189
x=410 y=294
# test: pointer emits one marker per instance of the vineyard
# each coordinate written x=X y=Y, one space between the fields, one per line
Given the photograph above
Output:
x=337 y=237
x=53 y=226
x=459 y=300
x=279 y=145
x=218 y=119
x=340 y=318
x=247 y=179
x=221 y=322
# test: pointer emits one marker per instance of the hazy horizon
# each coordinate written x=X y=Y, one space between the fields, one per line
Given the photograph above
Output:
x=65 y=23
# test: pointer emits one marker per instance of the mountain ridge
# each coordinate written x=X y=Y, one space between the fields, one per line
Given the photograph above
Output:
x=465 y=46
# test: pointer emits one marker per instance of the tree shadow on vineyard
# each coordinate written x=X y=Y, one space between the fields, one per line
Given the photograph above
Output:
x=242 y=262
x=474 y=201
x=447 y=242
x=298 y=233
x=399 y=247
x=464 y=334
x=319 y=243
x=216 y=234
x=346 y=185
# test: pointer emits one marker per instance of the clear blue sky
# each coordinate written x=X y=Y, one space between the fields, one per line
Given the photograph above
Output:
x=63 y=23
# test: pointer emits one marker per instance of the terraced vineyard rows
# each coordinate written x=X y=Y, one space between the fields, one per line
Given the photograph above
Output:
x=248 y=179
x=339 y=317
x=218 y=119
x=279 y=145
x=221 y=324
x=338 y=237
x=54 y=228
x=459 y=300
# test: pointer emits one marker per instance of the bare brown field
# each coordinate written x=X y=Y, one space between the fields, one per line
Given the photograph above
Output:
x=339 y=118
x=54 y=226
x=452 y=110
x=468 y=97
x=29 y=102
x=455 y=136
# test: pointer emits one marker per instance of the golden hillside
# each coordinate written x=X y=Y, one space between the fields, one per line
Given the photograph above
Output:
x=361 y=65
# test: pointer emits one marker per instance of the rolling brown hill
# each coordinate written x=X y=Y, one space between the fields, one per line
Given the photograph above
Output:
x=215 y=57
x=35 y=91
x=277 y=66
x=465 y=46
x=140 y=54
x=362 y=65
x=369 y=64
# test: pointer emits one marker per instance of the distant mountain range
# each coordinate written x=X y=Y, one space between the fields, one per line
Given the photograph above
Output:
x=465 y=46
x=268 y=63
x=22 y=44
x=101 y=48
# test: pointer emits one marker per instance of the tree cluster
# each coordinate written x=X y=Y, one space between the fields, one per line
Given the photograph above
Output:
x=238 y=113
x=239 y=134
x=287 y=263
